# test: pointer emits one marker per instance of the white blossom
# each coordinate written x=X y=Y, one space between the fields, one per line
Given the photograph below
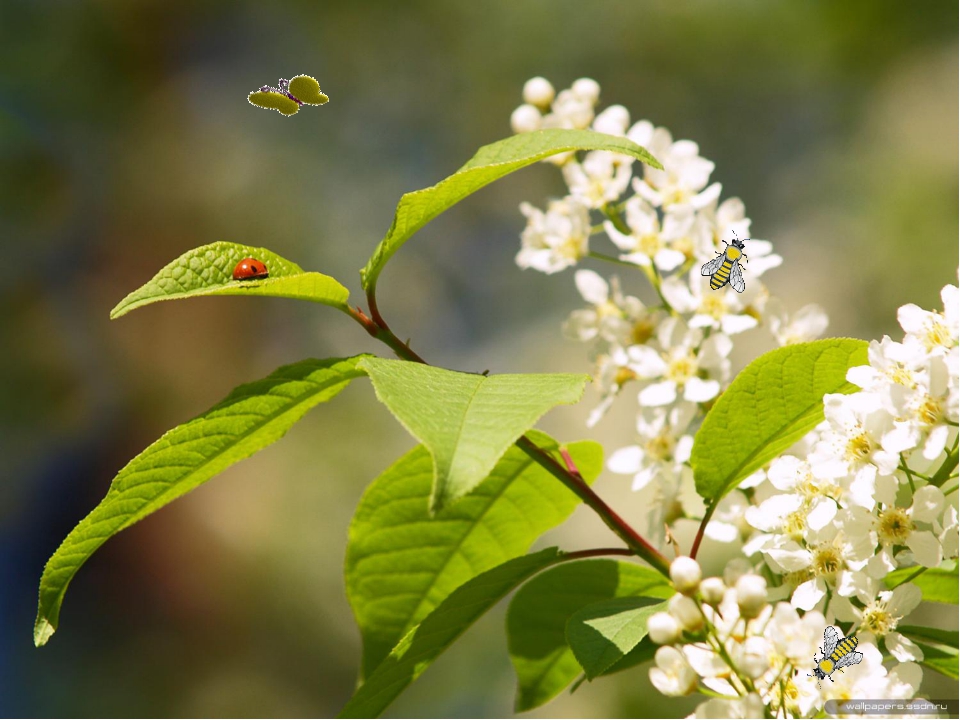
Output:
x=556 y=239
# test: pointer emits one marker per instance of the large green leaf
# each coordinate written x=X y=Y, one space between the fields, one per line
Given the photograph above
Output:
x=935 y=636
x=770 y=405
x=936 y=584
x=490 y=163
x=538 y=616
x=208 y=270
x=466 y=421
x=250 y=418
x=603 y=633
x=944 y=660
x=402 y=562
x=426 y=641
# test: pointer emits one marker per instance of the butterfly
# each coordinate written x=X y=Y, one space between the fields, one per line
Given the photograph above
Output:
x=291 y=94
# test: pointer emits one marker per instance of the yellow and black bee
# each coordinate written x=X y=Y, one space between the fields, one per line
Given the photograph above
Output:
x=725 y=267
x=837 y=653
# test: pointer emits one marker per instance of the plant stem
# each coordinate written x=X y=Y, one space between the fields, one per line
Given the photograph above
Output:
x=903 y=466
x=703 y=526
x=611 y=259
x=379 y=329
x=949 y=465
x=575 y=483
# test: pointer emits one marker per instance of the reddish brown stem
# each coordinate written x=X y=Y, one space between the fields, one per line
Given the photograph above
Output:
x=377 y=327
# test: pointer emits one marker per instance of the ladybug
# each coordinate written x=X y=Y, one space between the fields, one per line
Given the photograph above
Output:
x=250 y=269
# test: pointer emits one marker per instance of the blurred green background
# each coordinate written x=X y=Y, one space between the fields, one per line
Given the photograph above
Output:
x=126 y=139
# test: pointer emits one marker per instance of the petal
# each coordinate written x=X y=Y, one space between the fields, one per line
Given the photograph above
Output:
x=911 y=318
x=624 y=242
x=807 y=595
x=902 y=648
x=626 y=460
x=926 y=548
x=733 y=324
x=927 y=503
x=822 y=514
x=668 y=260
x=646 y=362
x=721 y=531
x=592 y=287
x=698 y=390
x=662 y=393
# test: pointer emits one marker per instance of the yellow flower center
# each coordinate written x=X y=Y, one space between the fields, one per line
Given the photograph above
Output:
x=660 y=447
x=903 y=376
x=930 y=410
x=624 y=375
x=608 y=309
x=681 y=369
x=938 y=334
x=798 y=577
x=713 y=305
x=894 y=526
x=859 y=448
x=827 y=560
x=794 y=524
x=649 y=245
x=642 y=331
x=684 y=245
x=811 y=489
x=572 y=248
x=877 y=619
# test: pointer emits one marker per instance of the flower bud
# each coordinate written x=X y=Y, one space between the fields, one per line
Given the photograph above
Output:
x=734 y=569
x=751 y=595
x=673 y=675
x=525 y=118
x=587 y=89
x=538 y=91
x=613 y=121
x=755 y=657
x=712 y=590
x=687 y=612
x=663 y=628
x=685 y=573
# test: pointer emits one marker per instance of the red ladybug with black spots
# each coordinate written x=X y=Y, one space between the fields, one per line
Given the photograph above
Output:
x=250 y=269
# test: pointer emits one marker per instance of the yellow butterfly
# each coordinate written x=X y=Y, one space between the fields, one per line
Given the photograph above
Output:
x=291 y=94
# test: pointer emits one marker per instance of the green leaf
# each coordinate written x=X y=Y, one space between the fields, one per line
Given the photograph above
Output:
x=250 y=418
x=936 y=636
x=937 y=584
x=208 y=270
x=426 y=641
x=770 y=405
x=642 y=653
x=603 y=633
x=538 y=616
x=490 y=163
x=466 y=421
x=943 y=660
x=402 y=562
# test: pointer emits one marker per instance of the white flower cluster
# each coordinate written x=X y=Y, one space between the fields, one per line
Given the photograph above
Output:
x=871 y=490
x=722 y=636
x=861 y=495
x=672 y=222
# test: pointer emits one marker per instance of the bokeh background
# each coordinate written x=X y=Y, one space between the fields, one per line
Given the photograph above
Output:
x=126 y=139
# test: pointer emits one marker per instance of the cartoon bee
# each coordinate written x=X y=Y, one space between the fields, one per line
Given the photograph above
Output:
x=725 y=267
x=837 y=653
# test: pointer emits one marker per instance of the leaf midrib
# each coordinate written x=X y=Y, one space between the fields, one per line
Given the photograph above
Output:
x=456 y=548
x=139 y=514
